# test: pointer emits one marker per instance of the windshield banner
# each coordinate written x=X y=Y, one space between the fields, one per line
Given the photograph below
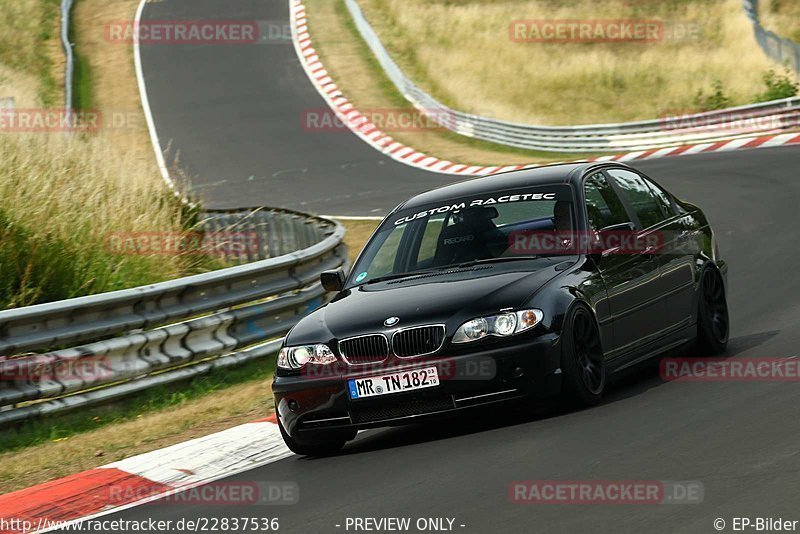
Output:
x=502 y=197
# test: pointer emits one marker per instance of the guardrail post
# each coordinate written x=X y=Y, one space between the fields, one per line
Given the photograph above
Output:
x=272 y=235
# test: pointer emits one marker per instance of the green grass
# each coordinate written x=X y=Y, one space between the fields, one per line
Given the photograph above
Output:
x=82 y=84
x=63 y=426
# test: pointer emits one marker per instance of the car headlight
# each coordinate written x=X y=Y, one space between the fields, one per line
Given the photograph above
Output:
x=503 y=324
x=293 y=358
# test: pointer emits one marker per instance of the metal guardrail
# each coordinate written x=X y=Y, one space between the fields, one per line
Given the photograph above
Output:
x=763 y=118
x=784 y=51
x=125 y=341
x=69 y=69
x=276 y=231
x=107 y=346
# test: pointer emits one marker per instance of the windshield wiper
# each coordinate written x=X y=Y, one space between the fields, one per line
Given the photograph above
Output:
x=447 y=267
x=395 y=276
x=493 y=260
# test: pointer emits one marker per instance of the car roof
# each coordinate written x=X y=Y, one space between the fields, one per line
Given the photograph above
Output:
x=561 y=173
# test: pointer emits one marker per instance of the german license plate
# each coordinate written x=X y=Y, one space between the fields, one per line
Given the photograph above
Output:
x=374 y=386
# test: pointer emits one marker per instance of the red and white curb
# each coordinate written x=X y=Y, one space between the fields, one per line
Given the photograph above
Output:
x=359 y=124
x=142 y=478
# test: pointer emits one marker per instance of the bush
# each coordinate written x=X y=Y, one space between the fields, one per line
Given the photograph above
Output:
x=716 y=100
x=778 y=86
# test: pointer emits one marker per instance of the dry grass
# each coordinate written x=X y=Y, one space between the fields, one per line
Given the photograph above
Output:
x=150 y=431
x=78 y=185
x=31 y=60
x=361 y=79
x=461 y=53
x=782 y=17
x=113 y=78
x=62 y=199
x=358 y=232
x=63 y=196
x=22 y=87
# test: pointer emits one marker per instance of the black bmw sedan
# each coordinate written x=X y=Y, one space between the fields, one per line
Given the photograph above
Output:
x=537 y=282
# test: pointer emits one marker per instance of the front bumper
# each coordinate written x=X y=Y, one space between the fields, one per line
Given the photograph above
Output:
x=308 y=406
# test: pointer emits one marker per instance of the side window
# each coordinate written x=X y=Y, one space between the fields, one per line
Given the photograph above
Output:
x=383 y=261
x=662 y=197
x=639 y=196
x=603 y=206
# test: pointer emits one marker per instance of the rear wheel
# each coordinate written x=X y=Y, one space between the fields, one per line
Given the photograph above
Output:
x=582 y=360
x=326 y=446
x=712 y=314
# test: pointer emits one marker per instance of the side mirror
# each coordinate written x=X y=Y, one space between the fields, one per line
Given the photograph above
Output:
x=332 y=280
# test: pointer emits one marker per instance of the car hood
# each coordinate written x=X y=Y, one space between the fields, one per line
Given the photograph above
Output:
x=441 y=299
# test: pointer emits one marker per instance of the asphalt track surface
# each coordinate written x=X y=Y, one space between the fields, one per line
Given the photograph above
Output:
x=233 y=118
x=739 y=439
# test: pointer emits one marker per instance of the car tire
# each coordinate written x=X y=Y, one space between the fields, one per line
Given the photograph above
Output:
x=582 y=359
x=713 y=325
x=324 y=447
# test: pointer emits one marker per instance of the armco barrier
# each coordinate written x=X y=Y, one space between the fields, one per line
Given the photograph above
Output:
x=125 y=341
x=763 y=118
x=69 y=68
x=278 y=231
x=104 y=347
x=784 y=51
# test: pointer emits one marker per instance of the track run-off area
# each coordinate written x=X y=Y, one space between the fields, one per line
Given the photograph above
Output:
x=232 y=116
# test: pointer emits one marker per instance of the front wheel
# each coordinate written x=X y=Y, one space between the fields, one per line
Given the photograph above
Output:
x=328 y=446
x=712 y=314
x=582 y=360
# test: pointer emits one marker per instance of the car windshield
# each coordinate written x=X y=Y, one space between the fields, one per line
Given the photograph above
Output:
x=494 y=227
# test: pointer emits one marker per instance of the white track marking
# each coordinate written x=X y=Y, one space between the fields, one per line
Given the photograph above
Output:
x=148 y=114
